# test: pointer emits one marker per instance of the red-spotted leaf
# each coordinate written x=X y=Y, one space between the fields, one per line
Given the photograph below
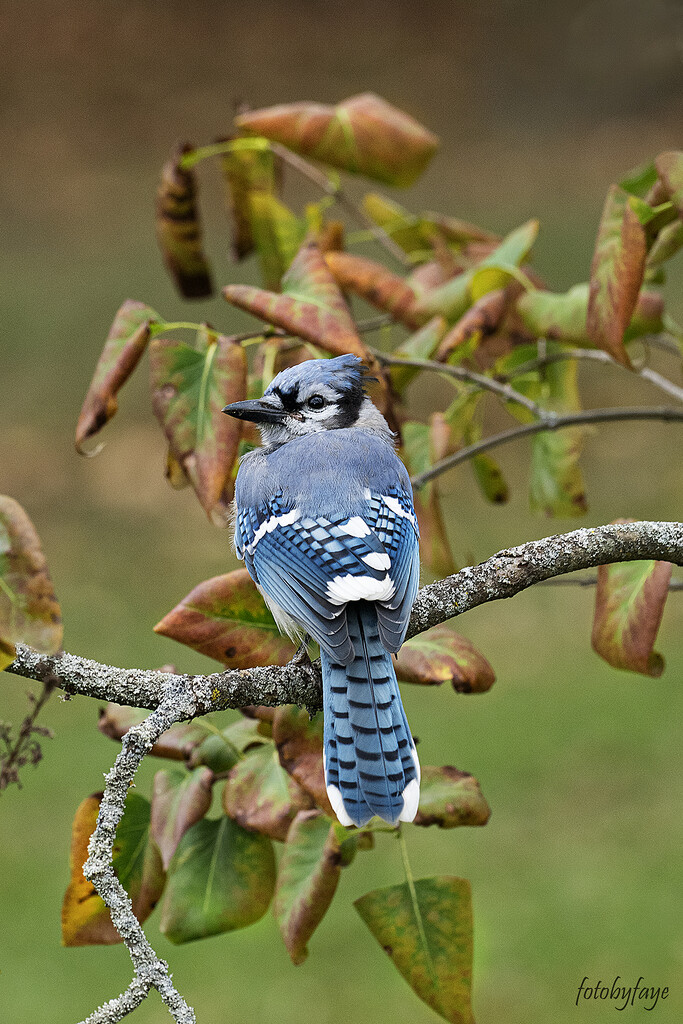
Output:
x=440 y=655
x=562 y=316
x=221 y=878
x=420 y=345
x=299 y=740
x=178 y=229
x=427 y=933
x=29 y=610
x=226 y=618
x=629 y=603
x=482 y=319
x=261 y=796
x=278 y=234
x=363 y=135
x=307 y=879
x=137 y=862
x=179 y=800
x=246 y=172
x=126 y=341
x=450 y=798
x=377 y=285
x=616 y=274
x=669 y=167
x=311 y=306
x=190 y=386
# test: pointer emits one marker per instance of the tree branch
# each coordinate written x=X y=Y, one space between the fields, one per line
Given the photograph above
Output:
x=551 y=421
x=504 y=575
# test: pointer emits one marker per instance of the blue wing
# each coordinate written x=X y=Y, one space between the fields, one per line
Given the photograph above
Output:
x=311 y=567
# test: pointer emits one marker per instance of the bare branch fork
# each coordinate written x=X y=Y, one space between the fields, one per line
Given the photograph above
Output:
x=177 y=698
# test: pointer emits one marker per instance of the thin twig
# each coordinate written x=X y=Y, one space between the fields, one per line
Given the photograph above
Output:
x=25 y=748
x=335 y=190
x=592 y=581
x=598 y=356
x=551 y=421
x=461 y=373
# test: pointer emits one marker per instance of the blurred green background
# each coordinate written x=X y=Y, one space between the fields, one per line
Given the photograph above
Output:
x=539 y=108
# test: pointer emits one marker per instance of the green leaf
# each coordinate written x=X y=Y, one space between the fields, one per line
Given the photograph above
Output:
x=245 y=172
x=226 y=618
x=667 y=243
x=450 y=798
x=29 y=610
x=489 y=477
x=259 y=794
x=556 y=485
x=496 y=269
x=669 y=168
x=221 y=878
x=307 y=879
x=190 y=386
x=278 y=234
x=451 y=299
x=179 y=800
x=639 y=181
x=440 y=655
x=420 y=345
x=178 y=229
x=137 y=862
x=562 y=317
x=405 y=228
x=441 y=974
x=363 y=135
x=126 y=341
x=616 y=274
x=629 y=603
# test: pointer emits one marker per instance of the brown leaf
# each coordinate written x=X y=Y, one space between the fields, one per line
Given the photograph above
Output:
x=29 y=610
x=261 y=796
x=363 y=135
x=226 y=618
x=450 y=798
x=177 y=743
x=440 y=655
x=483 y=318
x=126 y=341
x=616 y=274
x=377 y=285
x=178 y=230
x=299 y=740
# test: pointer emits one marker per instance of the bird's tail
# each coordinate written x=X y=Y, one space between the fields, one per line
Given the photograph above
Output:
x=371 y=764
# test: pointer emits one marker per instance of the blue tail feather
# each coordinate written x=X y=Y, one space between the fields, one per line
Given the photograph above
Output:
x=371 y=765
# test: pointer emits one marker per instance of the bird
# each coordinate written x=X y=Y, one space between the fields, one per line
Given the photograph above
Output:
x=326 y=527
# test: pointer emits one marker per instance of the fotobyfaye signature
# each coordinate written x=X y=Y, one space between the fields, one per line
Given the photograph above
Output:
x=620 y=992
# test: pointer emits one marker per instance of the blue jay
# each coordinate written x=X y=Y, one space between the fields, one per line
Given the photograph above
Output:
x=326 y=526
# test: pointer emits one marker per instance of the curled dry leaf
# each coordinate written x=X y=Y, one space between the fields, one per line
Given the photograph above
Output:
x=226 y=618
x=629 y=604
x=29 y=610
x=190 y=386
x=440 y=655
x=126 y=341
x=450 y=798
x=178 y=229
x=261 y=796
x=86 y=920
x=377 y=285
x=616 y=274
x=363 y=135
x=307 y=879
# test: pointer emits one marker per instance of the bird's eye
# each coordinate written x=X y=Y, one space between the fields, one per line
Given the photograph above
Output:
x=316 y=402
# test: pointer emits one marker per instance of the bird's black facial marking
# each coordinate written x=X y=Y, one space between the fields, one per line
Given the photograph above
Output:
x=289 y=399
x=349 y=403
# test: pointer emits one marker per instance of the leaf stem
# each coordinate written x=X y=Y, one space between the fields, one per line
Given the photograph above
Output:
x=416 y=908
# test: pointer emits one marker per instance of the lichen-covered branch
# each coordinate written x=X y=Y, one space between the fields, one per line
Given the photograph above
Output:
x=504 y=575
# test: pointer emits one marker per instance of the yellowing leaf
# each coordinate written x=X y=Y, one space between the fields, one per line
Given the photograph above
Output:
x=616 y=274
x=407 y=230
x=629 y=603
x=450 y=798
x=440 y=655
x=221 y=878
x=126 y=341
x=246 y=172
x=440 y=973
x=178 y=230
x=227 y=619
x=29 y=611
x=307 y=879
x=190 y=386
x=556 y=486
x=669 y=168
x=363 y=135
x=85 y=918
x=278 y=234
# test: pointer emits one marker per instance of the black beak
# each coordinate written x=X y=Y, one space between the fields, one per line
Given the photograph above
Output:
x=258 y=411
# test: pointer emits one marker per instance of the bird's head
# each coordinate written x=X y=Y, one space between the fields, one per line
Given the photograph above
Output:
x=319 y=394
